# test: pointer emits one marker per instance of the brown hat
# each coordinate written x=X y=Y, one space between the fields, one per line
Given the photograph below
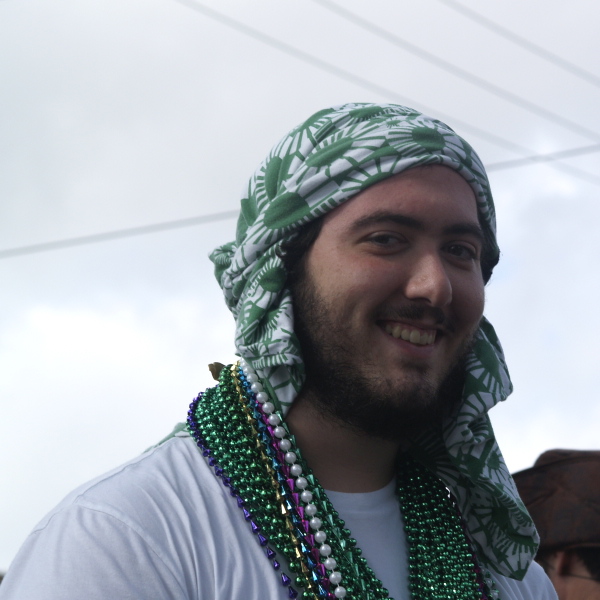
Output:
x=562 y=494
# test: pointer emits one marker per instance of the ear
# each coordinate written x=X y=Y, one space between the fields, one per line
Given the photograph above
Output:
x=559 y=564
x=562 y=562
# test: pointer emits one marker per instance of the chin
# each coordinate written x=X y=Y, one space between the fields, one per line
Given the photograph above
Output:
x=395 y=409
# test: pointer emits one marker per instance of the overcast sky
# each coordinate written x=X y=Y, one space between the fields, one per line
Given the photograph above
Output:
x=118 y=114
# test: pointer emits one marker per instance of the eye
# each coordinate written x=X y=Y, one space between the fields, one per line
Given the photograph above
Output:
x=385 y=240
x=462 y=251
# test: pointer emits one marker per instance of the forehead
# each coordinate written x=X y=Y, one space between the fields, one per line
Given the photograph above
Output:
x=433 y=195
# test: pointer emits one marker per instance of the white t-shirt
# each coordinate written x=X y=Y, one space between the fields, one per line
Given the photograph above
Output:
x=163 y=527
x=375 y=520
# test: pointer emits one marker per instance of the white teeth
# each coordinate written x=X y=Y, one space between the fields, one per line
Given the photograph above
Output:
x=410 y=335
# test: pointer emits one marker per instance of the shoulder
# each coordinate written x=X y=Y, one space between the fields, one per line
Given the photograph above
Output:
x=160 y=526
x=534 y=586
x=161 y=479
x=152 y=508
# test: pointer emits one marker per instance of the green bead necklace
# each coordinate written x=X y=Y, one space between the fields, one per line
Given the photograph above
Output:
x=252 y=451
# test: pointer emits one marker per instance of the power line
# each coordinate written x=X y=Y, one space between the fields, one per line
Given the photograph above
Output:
x=230 y=214
x=346 y=75
x=373 y=87
x=541 y=158
x=118 y=234
x=494 y=89
x=286 y=48
x=552 y=58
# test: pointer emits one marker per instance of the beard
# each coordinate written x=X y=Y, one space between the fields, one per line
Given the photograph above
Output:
x=353 y=392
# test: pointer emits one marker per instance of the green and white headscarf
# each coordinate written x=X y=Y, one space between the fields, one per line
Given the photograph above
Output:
x=329 y=158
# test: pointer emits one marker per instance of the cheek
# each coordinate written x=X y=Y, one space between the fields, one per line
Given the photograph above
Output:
x=333 y=272
x=470 y=301
x=350 y=281
x=356 y=277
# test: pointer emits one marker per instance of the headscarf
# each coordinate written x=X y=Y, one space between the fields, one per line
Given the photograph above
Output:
x=562 y=493
x=334 y=155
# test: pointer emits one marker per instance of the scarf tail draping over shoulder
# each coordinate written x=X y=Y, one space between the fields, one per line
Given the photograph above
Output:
x=320 y=164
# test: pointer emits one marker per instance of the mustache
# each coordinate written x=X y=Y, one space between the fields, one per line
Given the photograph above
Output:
x=416 y=312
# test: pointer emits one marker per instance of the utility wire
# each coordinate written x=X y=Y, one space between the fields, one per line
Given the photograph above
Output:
x=286 y=48
x=542 y=158
x=118 y=234
x=550 y=57
x=373 y=87
x=230 y=214
x=433 y=59
x=346 y=75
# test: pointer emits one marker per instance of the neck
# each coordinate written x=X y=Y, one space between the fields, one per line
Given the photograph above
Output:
x=343 y=459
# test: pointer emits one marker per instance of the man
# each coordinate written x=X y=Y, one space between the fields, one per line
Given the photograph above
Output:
x=562 y=492
x=357 y=283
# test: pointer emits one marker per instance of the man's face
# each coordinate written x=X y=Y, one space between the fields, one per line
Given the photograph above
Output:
x=390 y=298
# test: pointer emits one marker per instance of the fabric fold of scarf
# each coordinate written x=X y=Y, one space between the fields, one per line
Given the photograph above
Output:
x=331 y=157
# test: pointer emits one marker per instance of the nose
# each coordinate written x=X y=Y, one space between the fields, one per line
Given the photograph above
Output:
x=428 y=281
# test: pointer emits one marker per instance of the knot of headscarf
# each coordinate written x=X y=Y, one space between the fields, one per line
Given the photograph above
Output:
x=323 y=162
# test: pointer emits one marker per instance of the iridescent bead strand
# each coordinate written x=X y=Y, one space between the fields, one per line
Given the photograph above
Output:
x=285 y=462
x=343 y=545
x=197 y=416
x=246 y=442
x=291 y=550
x=441 y=562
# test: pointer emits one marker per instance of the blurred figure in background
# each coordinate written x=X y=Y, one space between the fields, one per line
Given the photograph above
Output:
x=562 y=494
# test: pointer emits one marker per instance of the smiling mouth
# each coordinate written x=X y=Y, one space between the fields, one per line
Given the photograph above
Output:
x=419 y=337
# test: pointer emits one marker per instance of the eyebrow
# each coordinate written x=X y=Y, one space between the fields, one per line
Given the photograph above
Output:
x=382 y=217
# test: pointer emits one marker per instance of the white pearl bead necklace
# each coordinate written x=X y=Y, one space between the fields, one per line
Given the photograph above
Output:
x=301 y=483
